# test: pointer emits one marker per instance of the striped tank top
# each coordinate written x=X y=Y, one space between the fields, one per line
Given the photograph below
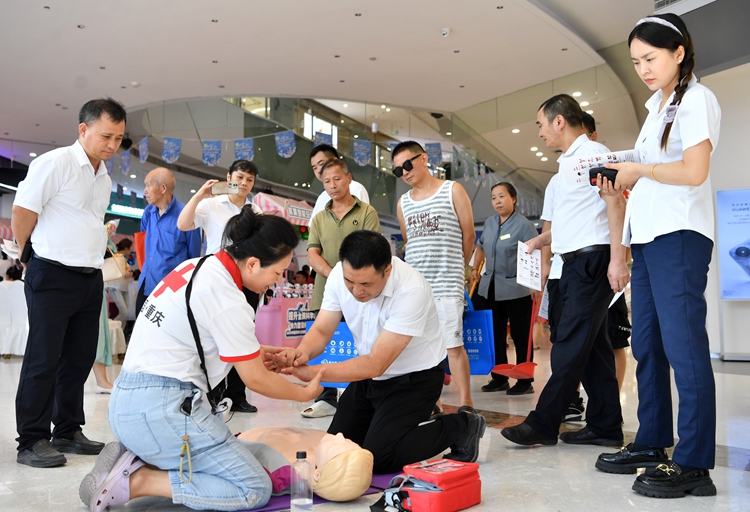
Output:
x=434 y=241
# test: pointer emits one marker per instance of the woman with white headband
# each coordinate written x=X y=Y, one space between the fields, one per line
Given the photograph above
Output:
x=669 y=225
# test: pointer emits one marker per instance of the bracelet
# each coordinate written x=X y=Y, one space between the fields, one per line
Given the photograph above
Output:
x=652 y=173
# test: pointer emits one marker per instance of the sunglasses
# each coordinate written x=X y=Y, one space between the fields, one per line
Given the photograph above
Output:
x=407 y=166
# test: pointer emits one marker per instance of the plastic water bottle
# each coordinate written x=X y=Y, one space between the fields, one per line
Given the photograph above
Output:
x=302 y=489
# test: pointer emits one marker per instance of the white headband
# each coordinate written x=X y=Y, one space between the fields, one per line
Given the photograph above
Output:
x=660 y=21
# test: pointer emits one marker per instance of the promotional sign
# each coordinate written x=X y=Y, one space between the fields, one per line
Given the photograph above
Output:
x=733 y=221
x=125 y=164
x=434 y=153
x=244 y=149
x=483 y=174
x=170 y=150
x=211 y=152
x=362 y=152
x=143 y=150
x=133 y=200
x=285 y=144
x=322 y=138
x=119 y=193
x=476 y=173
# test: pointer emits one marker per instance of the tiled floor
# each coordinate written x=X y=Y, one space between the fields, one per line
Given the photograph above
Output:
x=557 y=478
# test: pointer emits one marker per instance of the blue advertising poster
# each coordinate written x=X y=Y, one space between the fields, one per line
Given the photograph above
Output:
x=125 y=164
x=133 y=200
x=244 y=149
x=434 y=153
x=477 y=178
x=322 y=138
x=362 y=152
x=211 y=152
x=285 y=144
x=170 y=150
x=110 y=164
x=733 y=221
x=143 y=150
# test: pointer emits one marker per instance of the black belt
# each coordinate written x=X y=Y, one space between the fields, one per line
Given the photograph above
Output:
x=584 y=250
x=80 y=270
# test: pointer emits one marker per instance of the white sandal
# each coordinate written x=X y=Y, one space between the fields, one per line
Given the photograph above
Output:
x=319 y=410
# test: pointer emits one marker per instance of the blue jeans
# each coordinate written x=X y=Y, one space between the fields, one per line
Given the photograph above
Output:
x=669 y=329
x=145 y=416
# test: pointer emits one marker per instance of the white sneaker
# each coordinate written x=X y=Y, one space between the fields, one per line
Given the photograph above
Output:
x=319 y=410
x=103 y=391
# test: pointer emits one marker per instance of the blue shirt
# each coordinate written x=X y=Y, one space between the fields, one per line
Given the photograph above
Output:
x=166 y=245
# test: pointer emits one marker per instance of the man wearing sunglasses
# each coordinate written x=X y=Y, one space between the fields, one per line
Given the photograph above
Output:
x=438 y=228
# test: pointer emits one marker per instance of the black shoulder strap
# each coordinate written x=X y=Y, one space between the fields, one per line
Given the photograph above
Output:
x=194 y=328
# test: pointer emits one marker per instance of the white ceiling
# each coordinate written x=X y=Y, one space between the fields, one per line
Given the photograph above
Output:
x=49 y=67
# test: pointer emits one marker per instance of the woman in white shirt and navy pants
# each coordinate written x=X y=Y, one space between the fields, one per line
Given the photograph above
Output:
x=669 y=226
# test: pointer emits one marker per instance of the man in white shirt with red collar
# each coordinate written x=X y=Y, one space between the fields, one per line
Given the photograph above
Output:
x=398 y=375
x=586 y=232
x=60 y=207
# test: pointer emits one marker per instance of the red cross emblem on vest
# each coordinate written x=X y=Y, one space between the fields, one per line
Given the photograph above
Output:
x=174 y=280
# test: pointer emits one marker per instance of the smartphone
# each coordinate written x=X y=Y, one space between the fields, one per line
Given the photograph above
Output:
x=741 y=254
x=225 y=187
x=610 y=174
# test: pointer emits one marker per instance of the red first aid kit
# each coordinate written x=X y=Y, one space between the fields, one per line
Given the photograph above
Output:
x=459 y=482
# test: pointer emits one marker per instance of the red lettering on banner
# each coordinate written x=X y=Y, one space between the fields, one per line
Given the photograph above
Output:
x=174 y=280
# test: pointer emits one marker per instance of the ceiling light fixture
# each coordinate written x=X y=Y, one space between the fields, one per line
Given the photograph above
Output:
x=57 y=104
x=589 y=112
x=356 y=136
x=456 y=51
x=342 y=121
x=346 y=105
x=124 y=188
x=576 y=94
x=449 y=133
x=336 y=56
x=342 y=81
x=214 y=21
x=358 y=14
x=534 y=148
x=539 y=153
x=81 y=26
x=382 y=106
x=221 y=87
x=123 y=87
x=387 y=109
x=515 y=130
x=584 y=103
x=102 y=67
x=32 y=154
x=192 y=191
x=544 y=159
x=296 y=184
x=460 y=86
x=215 y=61
x=133 y=176
x=46 y=6
x=373 y=58
x=564 y=49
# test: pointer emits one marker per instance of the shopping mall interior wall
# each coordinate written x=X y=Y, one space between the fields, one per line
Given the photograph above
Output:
x=729 y=170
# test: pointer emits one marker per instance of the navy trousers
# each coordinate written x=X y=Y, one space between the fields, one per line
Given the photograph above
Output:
x=582 y=352
x=669 y=329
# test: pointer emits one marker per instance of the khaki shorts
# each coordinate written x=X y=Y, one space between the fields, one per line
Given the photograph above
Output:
x=451 y=315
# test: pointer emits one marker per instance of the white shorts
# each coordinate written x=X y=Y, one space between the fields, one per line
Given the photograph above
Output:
x=451 y=315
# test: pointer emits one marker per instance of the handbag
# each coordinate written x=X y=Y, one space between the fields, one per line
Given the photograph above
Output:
x=115 y=267
x=479 y=339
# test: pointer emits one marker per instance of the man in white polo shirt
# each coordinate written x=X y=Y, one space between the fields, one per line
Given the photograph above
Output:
x=60 y=208
x=593 y=268
x=398 y=375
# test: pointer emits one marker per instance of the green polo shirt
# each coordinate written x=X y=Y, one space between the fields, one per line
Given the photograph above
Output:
x=327 y=233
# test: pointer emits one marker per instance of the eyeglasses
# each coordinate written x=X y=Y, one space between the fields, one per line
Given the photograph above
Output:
x=408 y=165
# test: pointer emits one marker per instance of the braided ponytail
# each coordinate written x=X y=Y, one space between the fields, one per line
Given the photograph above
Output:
x=663 y=36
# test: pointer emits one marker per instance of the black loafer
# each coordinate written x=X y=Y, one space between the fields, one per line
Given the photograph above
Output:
x=669 y=481
x=586 y=436
x=466 y=448
x=527 y=436
x=627 y=461
x=41 y=455
x=243 y=406
x=496 y=385
x=520 y=388
x=80 y=445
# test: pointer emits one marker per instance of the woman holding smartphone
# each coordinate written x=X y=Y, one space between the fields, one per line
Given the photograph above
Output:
x=498 y=289
x=669 y=225
x=169 y=443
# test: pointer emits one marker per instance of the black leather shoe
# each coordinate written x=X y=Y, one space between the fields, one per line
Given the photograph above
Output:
x=466 y=448
x=80 y=445
x=627 y=461
x=520 y=388
x=496 y=385
x=41 y=455
x=243 y=406
x=669 y=481
x=585 y=436
x=527 y=436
